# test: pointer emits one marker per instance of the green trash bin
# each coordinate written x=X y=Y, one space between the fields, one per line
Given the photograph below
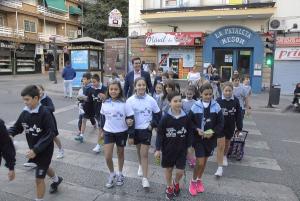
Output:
x=275 y=94
x=51 y=74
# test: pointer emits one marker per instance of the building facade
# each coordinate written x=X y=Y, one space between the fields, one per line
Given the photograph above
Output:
x=231 y=35
x=30 y=30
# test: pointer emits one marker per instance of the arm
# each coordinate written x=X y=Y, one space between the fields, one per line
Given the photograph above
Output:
x=149 y=84
x=156 y=115
x=49 y=127
x=126 y=85
x=50 y=105
x=17 y=128
x=161 y=130
x=7 y=147
x=220 y=123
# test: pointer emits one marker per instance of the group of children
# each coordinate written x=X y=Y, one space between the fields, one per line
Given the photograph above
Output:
x=187 y=128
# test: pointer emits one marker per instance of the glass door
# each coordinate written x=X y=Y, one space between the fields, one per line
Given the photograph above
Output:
x=224 y=62
x=244 y=61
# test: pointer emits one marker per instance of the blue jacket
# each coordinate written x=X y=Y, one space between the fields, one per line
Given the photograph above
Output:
x=68 y=73
x=129 y=82
x=214 y=121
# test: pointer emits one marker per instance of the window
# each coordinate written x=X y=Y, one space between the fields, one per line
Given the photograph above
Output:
x=29 y=26
x=72 y=34
x=31 y=2
x=1 y=20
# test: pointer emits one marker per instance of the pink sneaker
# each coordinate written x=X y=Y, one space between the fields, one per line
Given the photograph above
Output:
x=200 y=186
x=193 y=188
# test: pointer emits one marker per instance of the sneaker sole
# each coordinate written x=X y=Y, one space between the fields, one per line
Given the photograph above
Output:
x=120 y=184
x=108 y=187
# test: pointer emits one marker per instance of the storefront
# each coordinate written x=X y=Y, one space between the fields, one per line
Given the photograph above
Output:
x=177 y=51
x=22 y=54
x=235 y=48
x=287 y=64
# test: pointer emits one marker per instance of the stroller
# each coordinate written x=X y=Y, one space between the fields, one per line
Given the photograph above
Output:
x=237 y=144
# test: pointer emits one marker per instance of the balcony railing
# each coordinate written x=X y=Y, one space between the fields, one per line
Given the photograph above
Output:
x=10 y=32
x=48 y=13
x=46 y=38
x=174 y=5
x=11 y=3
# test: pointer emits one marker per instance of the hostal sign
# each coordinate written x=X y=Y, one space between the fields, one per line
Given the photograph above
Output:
x=233 y=35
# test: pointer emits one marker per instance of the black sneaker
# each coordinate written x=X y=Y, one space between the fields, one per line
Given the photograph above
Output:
x=54 y=185
x=169 y=193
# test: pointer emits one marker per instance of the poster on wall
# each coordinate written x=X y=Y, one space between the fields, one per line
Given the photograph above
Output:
x=94 y=59
x=80 y=59
x=77 y=80
x=187 y=54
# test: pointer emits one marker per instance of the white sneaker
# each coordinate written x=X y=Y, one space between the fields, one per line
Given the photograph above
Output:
x=29 y=164
x=97 y=148
x=110 y=182
x=60 y=154
x=225 y=161
x=140 y=171
x=145 y=183
x=219 y=172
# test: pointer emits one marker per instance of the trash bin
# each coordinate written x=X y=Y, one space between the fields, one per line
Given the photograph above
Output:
x=275 y=94
x=51 y=74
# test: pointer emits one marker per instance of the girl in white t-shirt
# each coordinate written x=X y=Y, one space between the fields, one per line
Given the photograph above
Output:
x=146 y=117
x=116 y=118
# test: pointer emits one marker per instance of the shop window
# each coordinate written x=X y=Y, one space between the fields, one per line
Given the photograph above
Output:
x=1 y=20
x=5 y=64
x=29 y=26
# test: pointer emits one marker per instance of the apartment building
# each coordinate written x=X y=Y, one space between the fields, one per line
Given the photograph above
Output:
x=178 y=34
x=30 y=29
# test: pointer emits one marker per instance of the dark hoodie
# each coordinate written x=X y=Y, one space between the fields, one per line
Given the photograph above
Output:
x=7 y=149
x=174 y=133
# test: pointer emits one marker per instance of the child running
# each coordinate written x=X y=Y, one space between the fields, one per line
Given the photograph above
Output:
x=114 y=115
x=87 y=107
x=46 y=101
x=98 y=95
x=232 y=119
x=146 y=117
x=207 y=119
x=172 y=142
x=187 y=104
x=38 y=124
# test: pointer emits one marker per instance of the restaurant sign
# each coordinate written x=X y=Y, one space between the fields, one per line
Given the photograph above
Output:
x=174 y=39
x=287 y=54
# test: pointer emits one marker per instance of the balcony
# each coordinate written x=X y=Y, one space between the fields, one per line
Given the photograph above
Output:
x=166 y=10
x=46 y=38
x=48 y=13
x=11 y=3
x=11 y=33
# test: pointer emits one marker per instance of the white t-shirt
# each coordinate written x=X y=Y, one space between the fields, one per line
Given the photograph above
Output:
x=143 y=108
x=115 y=113
x=193 y=77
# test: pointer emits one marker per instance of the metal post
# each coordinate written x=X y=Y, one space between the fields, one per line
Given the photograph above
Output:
x=272 y=69
x=44 y=17
x=55 y=59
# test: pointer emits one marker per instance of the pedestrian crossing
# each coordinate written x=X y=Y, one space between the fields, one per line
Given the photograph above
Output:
x=225 y=186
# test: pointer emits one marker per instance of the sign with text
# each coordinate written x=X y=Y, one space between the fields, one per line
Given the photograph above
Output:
x=79 y=59
x=236 y=35
x=174 y=39
x=115 y=18
x=287 y=54
x=288 y=41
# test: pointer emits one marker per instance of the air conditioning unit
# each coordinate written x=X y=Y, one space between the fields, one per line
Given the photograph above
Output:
x=277 y=24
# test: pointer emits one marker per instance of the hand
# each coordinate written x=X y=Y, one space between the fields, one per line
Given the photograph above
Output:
x=208 y=136
x=130 y=141
x=101 y=96
x=200 y=132
x=157 y=154
x=30 y=154
x=129 y=122
x=11 y=175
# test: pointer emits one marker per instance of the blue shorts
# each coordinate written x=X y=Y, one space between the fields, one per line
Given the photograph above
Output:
x=204 y=148
x=142 y=136
x=118 y=138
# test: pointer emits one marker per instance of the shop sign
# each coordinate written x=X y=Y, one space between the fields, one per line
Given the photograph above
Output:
x=174 y=38
x=288 y=41
x=287 y=54
x=115 y=18
x=235 y=35
x=12 y=45
x=39 y=49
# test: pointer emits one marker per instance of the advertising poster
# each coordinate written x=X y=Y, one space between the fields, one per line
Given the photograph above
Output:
x=80 y=59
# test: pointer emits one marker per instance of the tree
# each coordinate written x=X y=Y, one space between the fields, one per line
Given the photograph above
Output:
x=95 y=21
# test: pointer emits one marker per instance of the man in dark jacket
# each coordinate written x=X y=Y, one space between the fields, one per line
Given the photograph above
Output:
x=7 y=151
x=131 y=76
x=68 y=74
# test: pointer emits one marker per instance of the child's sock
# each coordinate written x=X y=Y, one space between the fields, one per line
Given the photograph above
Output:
x=119 y=173
x=39 y=199
x=54 y=178
x=112 y=174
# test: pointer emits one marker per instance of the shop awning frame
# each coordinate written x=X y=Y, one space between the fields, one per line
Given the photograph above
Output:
x=74 y=10
x=56 y=5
